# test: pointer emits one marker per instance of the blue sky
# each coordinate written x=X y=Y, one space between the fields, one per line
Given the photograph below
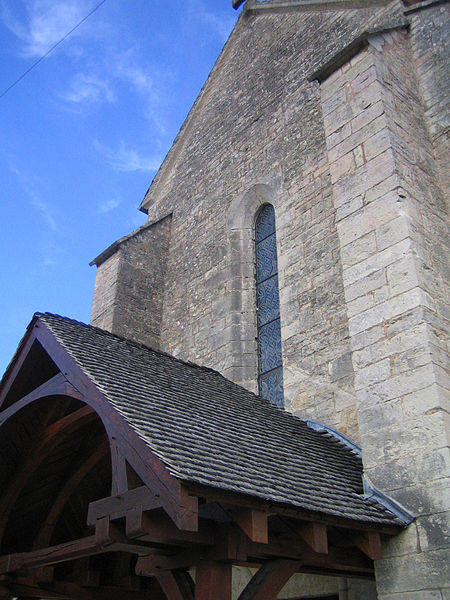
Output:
x=83 y=134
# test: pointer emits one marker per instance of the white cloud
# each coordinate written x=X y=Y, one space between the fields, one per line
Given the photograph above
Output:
x=128 y=159
x=140 y=79
x=107 y=206
x=47 y=21
x=88 y=88
x=44 y=210
x=28 y=185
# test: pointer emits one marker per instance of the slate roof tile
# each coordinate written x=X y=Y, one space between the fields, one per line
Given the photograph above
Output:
x=211 y=431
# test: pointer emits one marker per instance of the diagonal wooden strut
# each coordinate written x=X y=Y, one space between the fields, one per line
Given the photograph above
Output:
x=176 y=585
x=269 y=580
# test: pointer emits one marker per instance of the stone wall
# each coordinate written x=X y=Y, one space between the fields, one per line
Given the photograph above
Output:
x=129 y=286
x=262 y=126
x=355 y=168
x=391 y=221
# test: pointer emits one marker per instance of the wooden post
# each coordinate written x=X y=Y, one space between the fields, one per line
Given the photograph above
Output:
x=213 y=581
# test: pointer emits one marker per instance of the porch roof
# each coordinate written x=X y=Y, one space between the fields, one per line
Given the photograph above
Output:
x=210 y=431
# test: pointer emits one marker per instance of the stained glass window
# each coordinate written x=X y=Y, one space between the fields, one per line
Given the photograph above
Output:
x=270 y=369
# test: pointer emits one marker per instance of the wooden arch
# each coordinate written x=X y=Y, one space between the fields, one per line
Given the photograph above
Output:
x=139 y=531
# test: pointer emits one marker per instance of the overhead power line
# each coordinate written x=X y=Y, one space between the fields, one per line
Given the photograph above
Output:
x=35 y=64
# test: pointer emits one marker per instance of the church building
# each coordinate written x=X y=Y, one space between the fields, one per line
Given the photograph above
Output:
x=259 y=406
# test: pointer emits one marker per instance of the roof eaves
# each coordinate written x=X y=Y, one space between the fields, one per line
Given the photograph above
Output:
x=394 y=507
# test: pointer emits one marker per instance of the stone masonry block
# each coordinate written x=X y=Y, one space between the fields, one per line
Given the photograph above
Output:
x=410 y=359
x=359 y=250
x=367 y=116
x=348 y=208
x=374 y=373
x=363 y=286
x=393 y=442
x=430 y=400
x=404 y=543
x=338 y=118
x=367 y=337
x=341 y=367
x=387 y=310
x=359 y=305
x=392 y=232
x=390 y=346
x=377 y=144
x=421 y=595
x=370 y=218
x=413 y=572
x=342 y=166
x=374 y=264
x=339 y=146
x=402 y=274
x=340 y=79
x=396 y=387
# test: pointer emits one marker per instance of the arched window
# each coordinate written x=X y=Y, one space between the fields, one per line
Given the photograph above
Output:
x=270 y=369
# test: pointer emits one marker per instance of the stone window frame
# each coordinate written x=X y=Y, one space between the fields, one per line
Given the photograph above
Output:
x=270 y=372
x=241 y=218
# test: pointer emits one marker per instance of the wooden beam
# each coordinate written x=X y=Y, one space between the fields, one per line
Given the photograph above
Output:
x=104 y=592
x=18 y=362
x=119 y=471
x=269 y=580
x=27 y=588
x=160 y=529
x=56 y=432
x=56 y=386
x=178 y=503
x=315 y=535
x=294 y=548
x=48 y=556
x=107 y=538
x=117 y=506
x=45 y=533
x=253 y=523
x=369 y=542
x=176 y=585
x=230 y=545
x=213 y=580
x=149 y=565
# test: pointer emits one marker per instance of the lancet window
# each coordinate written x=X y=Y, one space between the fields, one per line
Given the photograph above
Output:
x=270 y=369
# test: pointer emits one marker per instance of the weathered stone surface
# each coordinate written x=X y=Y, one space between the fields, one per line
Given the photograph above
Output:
x=355 y=168
x=414 y=572
x=129 y=288
x=392 y=284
